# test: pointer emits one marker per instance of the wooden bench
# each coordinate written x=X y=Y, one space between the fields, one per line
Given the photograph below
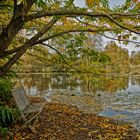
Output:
x=26 y=108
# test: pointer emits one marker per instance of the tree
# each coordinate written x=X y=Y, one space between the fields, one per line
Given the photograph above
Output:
x=135 y=58
x=119 y=57
x=54 y=18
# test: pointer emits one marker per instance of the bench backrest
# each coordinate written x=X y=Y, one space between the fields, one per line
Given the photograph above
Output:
x=20 y=98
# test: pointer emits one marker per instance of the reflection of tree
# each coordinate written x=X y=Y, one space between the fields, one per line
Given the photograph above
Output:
x=135 y=58
x=64 y=81
x=93 y=83
x=113 y=84
x=43 y=81
x=34 y=80
x=135 y=80
x=79 y=82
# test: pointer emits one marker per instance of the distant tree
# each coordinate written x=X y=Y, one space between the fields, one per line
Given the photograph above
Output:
x=135 y=58
x=119 y=57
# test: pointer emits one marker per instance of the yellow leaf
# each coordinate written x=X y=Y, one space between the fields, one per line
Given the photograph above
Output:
x=91 y=3
x=137 y=6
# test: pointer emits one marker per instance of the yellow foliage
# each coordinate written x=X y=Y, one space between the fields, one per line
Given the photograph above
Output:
x=137 y=7
x=91 y=3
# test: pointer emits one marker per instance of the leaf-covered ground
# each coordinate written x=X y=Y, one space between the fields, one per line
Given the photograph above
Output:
x=63 y=122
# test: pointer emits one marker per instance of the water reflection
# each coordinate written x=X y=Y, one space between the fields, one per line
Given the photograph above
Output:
x=83 y=82
x=112 y=96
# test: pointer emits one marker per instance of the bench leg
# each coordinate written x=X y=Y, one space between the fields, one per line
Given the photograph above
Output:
x=27 y=122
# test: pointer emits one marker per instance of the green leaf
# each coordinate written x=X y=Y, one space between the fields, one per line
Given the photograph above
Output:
x=25 y=2
x=8 y=115
x=105 y=3
x=41 y=3
x=3 y=115
x=128 y=1
x=12 y=117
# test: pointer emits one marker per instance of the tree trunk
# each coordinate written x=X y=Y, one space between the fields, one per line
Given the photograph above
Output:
x=9 y=33
x=4 y=69
x=15 y=24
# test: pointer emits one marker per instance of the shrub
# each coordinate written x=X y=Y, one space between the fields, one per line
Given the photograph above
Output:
x=6 y=113
x=5 y=89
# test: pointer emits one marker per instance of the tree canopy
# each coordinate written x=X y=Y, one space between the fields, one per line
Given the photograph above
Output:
x=25 y=24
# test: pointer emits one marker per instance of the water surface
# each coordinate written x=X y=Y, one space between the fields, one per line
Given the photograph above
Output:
x=117 y=97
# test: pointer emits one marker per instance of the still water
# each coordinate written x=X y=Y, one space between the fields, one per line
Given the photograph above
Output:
x=117 y=97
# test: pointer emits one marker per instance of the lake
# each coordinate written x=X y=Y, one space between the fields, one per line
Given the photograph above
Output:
x=117 y=97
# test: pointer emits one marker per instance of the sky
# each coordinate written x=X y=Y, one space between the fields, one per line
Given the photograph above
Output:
x=131 y=46
x=81 y=3
x=116 y=2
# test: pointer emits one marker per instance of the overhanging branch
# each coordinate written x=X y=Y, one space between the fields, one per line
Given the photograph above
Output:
x=64 y=59
x=12 y=51
x=76 y=13
x=79 y=13
x=9 y=52
x=136 y=42
x=30 y=41
x=72 y=31
x=27 y=45
x=85 y=23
